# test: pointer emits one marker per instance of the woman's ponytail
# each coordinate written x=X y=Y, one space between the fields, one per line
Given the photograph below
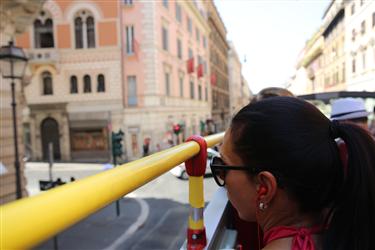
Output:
x=352 y=225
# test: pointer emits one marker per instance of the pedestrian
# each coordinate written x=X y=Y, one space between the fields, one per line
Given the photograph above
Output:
x=146 y=146
x=350 y=110
x=281 y=167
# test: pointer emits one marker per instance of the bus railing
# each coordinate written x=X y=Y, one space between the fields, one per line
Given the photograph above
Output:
x=30 y=221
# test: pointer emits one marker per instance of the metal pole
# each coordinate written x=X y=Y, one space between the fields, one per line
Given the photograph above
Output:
x=50 y=161
x=16 y=161
x=50 y=158
x=114 y=165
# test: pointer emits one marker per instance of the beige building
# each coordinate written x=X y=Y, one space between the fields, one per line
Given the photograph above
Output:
x=219 y=69
x=75 y=95
x=340 y=56
x=360 y=45
x=99 y=66
x=236 y=83
x=334 y=50
x=15 y=17
x=309 y=76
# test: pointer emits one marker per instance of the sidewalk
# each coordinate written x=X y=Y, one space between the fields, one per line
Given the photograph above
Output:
x=66 y=166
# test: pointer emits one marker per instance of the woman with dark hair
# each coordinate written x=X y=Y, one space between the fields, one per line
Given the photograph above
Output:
x=282 y=168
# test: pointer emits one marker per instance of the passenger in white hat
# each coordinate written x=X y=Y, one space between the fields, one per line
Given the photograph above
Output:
x=350 y=109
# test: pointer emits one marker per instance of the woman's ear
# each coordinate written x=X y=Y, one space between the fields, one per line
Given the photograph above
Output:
x=267 y=186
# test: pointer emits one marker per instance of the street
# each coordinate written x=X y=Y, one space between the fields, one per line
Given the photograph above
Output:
x=152 y=217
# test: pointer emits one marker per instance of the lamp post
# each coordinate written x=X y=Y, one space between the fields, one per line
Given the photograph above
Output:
x=12 y=65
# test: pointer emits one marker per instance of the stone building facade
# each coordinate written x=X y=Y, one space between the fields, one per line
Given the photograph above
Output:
x=15 y=18
x=236 y=87
x=165 y=72
x=97 y=67
x=75 y=93
x=340 y=56
x=360 y=45
x=219 y=48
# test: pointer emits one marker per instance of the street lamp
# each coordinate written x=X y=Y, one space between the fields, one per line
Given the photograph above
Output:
x=12 y=65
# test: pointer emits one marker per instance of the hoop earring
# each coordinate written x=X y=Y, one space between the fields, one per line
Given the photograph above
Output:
x=262 y=206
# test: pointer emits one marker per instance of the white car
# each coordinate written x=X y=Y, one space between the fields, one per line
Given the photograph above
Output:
x=180 y=171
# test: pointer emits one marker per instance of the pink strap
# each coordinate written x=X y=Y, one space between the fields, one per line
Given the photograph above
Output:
x=302 y=239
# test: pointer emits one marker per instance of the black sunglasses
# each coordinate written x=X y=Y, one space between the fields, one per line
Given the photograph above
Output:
x=219 y=170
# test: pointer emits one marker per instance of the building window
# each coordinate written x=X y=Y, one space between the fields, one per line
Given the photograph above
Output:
x=128 y=2
x=43 y=32
x=192 y=89
x=343 y=72
x=373 y=19
x=73 y=85
x=197 y=34
x=204 y=42
x=90 y=32
x=189 y=25
x=178 y=12
x=206 y=93
x=353 y=65
x=130 y=40
x=165 y=3
x=86 y=84
x=101 y=83
x=181 y=86
x=165 y=38
x=353 y=8
x=179 y=49
x=353 y=35
x=78 y=32
x=200 y=92
x=191 y=53
x=363 y=27
x=364 y=59
x=361 y=2
x=84 y=30
x=167 y=84
x=132 y=91
x=47 y=83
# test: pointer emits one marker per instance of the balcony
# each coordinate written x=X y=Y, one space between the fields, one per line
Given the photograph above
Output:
x=43 y=56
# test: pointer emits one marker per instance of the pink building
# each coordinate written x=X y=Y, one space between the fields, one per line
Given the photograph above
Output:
x=101 y=66
x=159 y=39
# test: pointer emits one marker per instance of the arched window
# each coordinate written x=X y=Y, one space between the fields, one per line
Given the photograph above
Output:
x=86 y=84
x=78 y=32
x=84 y=29
x=43 y=31
x=101 y=83
x=90 y=32
x=73 y=85
x=47 y=83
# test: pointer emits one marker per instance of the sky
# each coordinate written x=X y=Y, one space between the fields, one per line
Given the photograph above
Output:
x=270 y=34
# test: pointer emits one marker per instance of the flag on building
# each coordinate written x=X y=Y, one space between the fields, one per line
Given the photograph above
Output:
x=200 y=70
x=213 y=79
x=190 y=65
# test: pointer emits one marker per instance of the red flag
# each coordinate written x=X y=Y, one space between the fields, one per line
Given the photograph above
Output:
x=213 y=79
x=135 y=47
x=200 y=70
x=190 y=65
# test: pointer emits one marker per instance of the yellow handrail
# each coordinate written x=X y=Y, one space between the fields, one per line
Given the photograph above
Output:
x=30 y=221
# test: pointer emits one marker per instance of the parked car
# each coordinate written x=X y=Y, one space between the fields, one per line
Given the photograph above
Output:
x=180 y=171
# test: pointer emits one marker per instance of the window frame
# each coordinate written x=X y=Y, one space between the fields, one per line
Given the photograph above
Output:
x=87 y=84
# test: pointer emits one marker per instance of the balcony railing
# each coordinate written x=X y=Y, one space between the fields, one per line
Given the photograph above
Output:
x=43 y=56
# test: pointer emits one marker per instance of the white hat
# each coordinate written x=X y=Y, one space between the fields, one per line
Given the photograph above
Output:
x=348 y=108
